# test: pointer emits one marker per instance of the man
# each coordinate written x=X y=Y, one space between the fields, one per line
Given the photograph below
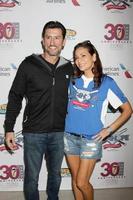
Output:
x=43 y=80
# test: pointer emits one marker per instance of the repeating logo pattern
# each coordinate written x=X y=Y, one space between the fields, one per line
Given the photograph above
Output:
x=116 y=4
x=120 y=70
x=11 y=172
x=117 y=32
x=114 y=169
x=114 y=32
x=117 y=140
x=9 y=3
x=9 y=31
x=6 y=71
x=18 y=141
x=3 y=108
x=74 y=2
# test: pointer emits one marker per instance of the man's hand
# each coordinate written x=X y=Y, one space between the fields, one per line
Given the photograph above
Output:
x=10 y=140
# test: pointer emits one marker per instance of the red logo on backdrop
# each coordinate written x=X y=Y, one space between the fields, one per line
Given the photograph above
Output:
x=75 y=3
x=11 y=172
x=9 y=31
x=117 y=35
x=117 y=32
x=116 y=4
x=126 y=72
x=112 y=169
x=117 y=140
x=9 y=3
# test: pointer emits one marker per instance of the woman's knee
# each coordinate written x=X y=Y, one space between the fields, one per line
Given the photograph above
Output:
x=83 y=185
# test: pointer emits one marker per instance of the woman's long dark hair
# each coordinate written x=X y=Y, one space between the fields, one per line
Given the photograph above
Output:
x=96 y=70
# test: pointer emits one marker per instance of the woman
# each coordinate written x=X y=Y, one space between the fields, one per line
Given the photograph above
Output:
x=90 y=92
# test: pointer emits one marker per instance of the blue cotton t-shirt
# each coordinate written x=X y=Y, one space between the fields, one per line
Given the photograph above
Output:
x=87 y=107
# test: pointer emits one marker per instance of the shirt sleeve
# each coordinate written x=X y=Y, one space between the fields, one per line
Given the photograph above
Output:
x=15 y=98
x=115 y=95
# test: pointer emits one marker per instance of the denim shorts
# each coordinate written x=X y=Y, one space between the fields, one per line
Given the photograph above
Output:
x=83 y=147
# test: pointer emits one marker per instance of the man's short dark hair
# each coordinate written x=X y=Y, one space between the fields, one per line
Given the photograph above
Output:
x=54 y=24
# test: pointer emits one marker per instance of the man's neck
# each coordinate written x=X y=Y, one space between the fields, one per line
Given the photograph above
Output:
x=50 y=59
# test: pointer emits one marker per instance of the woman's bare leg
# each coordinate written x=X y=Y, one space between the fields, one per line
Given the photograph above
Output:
x=74 y=163
x=83 y=177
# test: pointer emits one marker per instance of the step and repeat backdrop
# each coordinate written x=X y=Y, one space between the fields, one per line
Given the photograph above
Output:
x=109 y=26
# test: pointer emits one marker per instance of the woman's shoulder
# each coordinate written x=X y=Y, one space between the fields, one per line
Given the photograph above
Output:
x=107 y=78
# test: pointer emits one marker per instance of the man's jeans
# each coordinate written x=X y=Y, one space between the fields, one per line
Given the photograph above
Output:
x=37 y=145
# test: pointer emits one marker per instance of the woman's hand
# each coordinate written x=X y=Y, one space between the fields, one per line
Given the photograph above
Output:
x=103 y=134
